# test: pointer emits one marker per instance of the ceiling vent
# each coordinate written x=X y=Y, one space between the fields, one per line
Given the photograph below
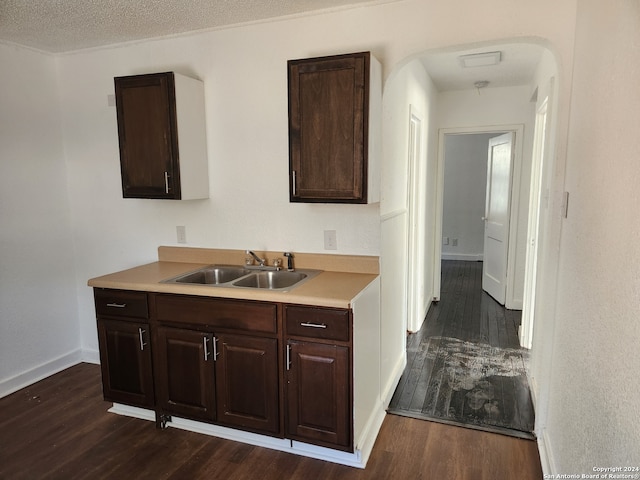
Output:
x=486 y=59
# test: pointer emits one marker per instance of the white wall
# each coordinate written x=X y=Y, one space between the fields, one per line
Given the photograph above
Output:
x=594 y=412
x=499 y=107
x=463 y=204
x=38 y=304
x=409 y=90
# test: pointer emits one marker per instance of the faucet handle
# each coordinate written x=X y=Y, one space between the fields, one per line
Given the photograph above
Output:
x=261 y=261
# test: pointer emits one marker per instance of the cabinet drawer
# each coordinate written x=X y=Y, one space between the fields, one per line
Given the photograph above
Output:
x=318 y=323
x=231 y=314
x=121 y=303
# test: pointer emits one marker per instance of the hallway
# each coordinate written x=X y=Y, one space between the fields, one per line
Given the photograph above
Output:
x=465 y=366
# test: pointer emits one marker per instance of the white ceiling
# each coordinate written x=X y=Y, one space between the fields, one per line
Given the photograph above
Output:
x=517 y=67
x=58 y=26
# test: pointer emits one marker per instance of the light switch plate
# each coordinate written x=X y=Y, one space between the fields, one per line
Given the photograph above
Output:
x=181 y=233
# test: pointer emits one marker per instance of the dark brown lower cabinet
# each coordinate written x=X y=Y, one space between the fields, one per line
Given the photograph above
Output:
x=185 y=373
x=222 y=361
x=247 y=382
x=318 y=395
x=125 y=357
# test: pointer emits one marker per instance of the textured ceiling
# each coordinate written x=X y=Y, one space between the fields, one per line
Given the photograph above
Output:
x=58 y=26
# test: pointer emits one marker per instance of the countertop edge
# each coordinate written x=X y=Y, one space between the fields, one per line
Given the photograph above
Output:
x=328 y=289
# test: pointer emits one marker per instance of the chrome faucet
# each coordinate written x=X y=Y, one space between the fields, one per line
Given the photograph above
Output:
x=289 y=256
x=261 y=261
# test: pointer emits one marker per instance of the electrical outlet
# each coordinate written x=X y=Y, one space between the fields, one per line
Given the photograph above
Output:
x=330 y=241
x=181 y=233
x=454 y=242
x=445 y=240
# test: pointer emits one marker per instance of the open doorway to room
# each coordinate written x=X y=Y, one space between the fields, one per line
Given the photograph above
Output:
x=472 y=370
x=481 y=174
x=452 y=106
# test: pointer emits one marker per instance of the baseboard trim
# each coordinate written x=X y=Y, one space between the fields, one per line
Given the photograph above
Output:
x=394 y=379
x=40 y=372
x=370 y=432
x=466 y=257
x=546 y=456
x=356 y=459
x=91 y=356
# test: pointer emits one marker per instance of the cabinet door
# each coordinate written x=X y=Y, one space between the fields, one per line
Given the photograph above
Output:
x=147 y=131
x=328 y=128
x=125 y=358
x=185 y=378
x=318 y=394
x=247 y=382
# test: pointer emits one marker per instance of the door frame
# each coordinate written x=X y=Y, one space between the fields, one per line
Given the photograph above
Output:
x=415 y=242
x=540 y=157
x=514 y=202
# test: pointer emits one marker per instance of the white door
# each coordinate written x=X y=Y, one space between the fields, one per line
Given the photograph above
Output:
x=496 y=217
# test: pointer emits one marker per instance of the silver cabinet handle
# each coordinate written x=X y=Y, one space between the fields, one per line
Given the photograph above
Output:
x=313 y=325
x=116 y=305
x=141 y=333
x=215 y=349
x=288 y=357
x=206 y=348
x=166 y=182
x=294 y=183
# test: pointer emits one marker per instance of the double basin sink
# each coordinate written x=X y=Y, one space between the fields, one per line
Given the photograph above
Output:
x=241 y=277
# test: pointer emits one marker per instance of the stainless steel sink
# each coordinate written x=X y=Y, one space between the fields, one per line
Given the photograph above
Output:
x=214 y=275
x=272 y=280
x=232 y=276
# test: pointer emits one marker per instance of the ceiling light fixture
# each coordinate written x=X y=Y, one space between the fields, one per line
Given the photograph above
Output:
x=481 y=84
x=486 y=59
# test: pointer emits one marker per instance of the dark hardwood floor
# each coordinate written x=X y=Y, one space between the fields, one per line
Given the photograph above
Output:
x=59 y=428
x=465 y=366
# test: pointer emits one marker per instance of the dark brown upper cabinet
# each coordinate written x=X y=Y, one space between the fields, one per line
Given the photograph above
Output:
x=161 y=130
x=334 y=129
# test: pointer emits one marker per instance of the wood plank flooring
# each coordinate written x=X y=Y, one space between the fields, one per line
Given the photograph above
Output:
x=59 y=428
x=465 y=366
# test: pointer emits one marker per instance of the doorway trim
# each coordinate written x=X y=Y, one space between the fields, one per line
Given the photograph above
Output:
x=415 y=207
x=514 y=203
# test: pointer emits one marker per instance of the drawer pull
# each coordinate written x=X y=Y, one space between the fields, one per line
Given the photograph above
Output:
x=117 y=305
x=288 y=357
x=313 y=325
